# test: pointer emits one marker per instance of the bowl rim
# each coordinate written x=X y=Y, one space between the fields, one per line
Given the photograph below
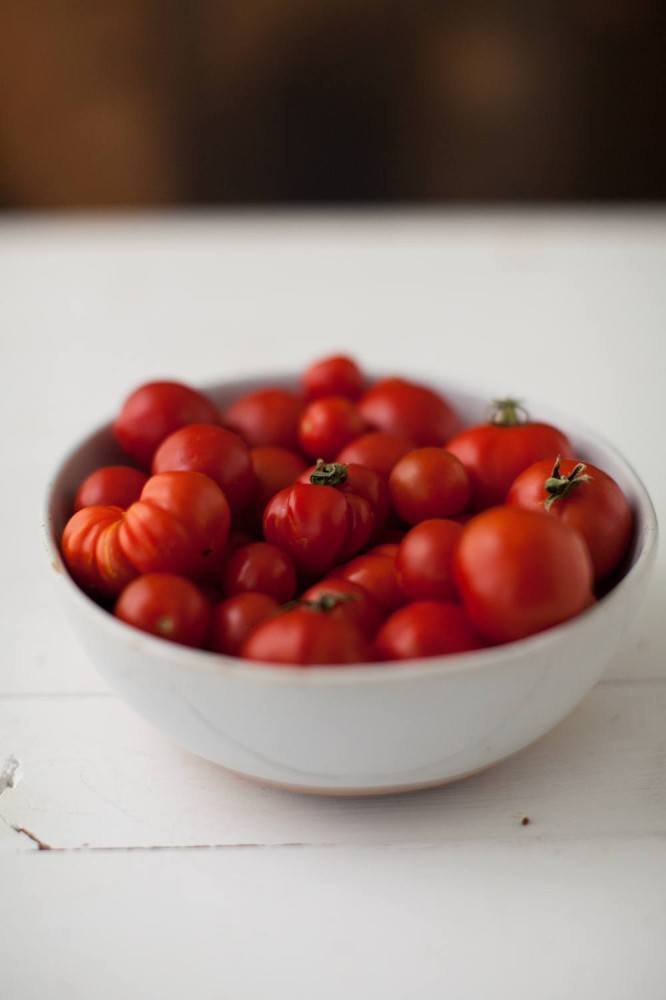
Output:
x=494 y=657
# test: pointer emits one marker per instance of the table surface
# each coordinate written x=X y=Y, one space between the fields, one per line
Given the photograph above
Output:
x=130 y=868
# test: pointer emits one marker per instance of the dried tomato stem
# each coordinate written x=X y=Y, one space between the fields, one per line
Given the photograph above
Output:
x=507 y=412
x=328 y=473
x=558 y=486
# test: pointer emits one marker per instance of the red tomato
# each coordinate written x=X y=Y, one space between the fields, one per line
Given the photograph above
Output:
x=266 y=417
x=495 y=454
x=92 y=551
x=274 y=469
x=586 y=499
x=336 y=376
x=219 y=454
x=357 y=481
x=377 y=451
x=397 y=406
x=260 y=567
x=426 y=628
x=327 y=425
x=343 y=598
x=424 y=563
x=237 y=617
x=166 y=605
x=389 y=549
x=377 y=575
x=428 y=482
x=155 y=410
x=110 y=486
x=305 y=636
x=319 y=525
x=519 y=572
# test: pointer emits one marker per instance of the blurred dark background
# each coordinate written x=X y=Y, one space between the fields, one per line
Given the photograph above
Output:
x=154 y=102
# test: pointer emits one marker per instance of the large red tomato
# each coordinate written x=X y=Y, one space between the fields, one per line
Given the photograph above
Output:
x=110 y=486
x=428 y=482
x=377 y=451
x=220 y=454
x=155 y=410
x=342 y=598
x=495 y=453
x=306 y=636
x=267 y=416
x=166 y=605
x=327 y=425
x=586 y=499
x=426 y=628
x=237 y=617
x=260 y=567
x=336 y=376
x=424 y=562
x=397 y=406
x=520 y=571
x=319 y=525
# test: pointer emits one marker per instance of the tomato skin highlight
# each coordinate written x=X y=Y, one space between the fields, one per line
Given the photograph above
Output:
x=519 y=572
x=154 y=411
x=334 y=376
x=266 y=417
x=307 y=637
x=596 y=508
x=377 y=451
x=397 y=406
x=426 y=628
x=92 y=552
x=167 y=606
x=216 y=452
x=377 y=575
x=424 y=561
x=362 y=608
x=260 y=567
x=428 y=482
x=110 y=486
x=327 y=425
x=235 y=619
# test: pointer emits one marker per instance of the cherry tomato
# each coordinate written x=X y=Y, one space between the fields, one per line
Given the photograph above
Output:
x=397 y=406
x=424 y=563
x=274 y=468
x=426 y=628
x=260 y=567
x=110 y=486
x=220 y=454
x=166 y=605
x=307 y=635
x=389 y=549
x=428 y=482
x=237 y=617
x=92 y=551
x=266 y=417
x=344 y=598
x=155 y=410
x=494 y=454
x=377 y=451
x=586 y=499
x=358 y=481
x=336 y=376
x=521 y=571
x=327 y=425
x=319 y=525
x=377 y=575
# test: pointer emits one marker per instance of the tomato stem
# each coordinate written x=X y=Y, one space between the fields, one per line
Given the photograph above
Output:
x=328 y=473
x=325 y=603
x=558 y=486
x=507 y=412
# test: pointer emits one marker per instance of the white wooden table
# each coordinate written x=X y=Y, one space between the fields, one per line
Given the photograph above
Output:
x=129 y=868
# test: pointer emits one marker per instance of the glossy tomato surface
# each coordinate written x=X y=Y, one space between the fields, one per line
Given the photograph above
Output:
x=426 y=628
x=266 y=417
x=397 y=406
x=376 y=574
x=334 y=376
x=307 y=636
x=424 y=561
x=168 y=606
x=377 y=450
x=110 y=486
x=92 y=551
x=236 y=618
x=219 y=453
x=274 y=468
x=428 y=482
x=327 y=425
x=260 y=567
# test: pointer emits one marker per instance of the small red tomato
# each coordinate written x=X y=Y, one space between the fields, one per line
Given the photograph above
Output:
x=266 y=417
x=343 y=598
x=220 y=454
x=520 y=571
x=327 y=425
x=494 y=454
x=377 y=575
x=428 y=482
x=92 y=551
x=110 y=486
x=307 y=636
x=336 y=376
x=377 y=451
x=424 y=563
x=397 y=406
x=274 y=468
x=166 y=605
x=389 y=549
x=586 y=499
x=354 y=480
x=261 y=567
x=155 y=410
x=237 y=617
x=426 y=628
x=319 y=525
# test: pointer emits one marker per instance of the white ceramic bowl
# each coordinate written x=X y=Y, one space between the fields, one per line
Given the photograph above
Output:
x=365 y=729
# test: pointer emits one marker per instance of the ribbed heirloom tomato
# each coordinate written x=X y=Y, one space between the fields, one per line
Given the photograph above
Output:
x=355 y=480
x=166 y=605
x=426 y=628
x=397 y=406
x=306 y=636
x=220 y=454
x=110 y=486
x=266 y=417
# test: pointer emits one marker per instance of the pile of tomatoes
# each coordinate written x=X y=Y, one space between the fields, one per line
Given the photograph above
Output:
x=346 y=522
